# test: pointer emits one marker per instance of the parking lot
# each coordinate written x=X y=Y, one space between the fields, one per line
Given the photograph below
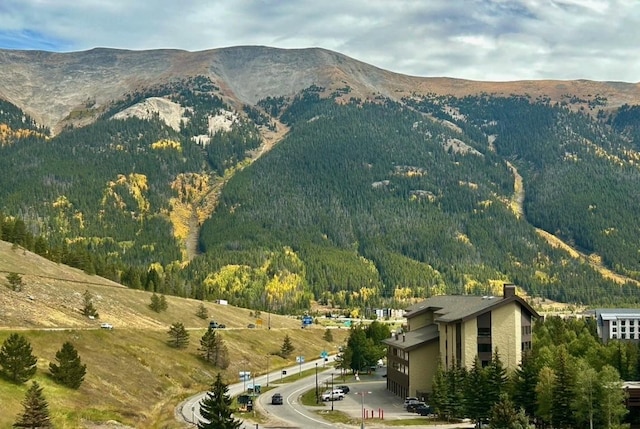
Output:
x=378 y=402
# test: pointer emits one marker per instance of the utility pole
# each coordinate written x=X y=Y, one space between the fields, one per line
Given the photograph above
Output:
x=331 y=391
x=362 y=415
x=267 y=370
x=317 y=399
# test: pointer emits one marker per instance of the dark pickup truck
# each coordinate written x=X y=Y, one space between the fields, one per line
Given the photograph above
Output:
x=215 y=325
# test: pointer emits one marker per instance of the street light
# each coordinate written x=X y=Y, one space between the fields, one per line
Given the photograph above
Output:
x=362 y=415
x=267 y=370
x=331 y=391
x=317 y=399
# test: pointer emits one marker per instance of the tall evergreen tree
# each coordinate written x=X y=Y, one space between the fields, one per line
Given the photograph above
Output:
x=155 y=304
x=504 y=415
x=36 y=410
x=496 y=379
x=70 y=370
x=15 y=281
x=17 y=362
x=215 y=407
x=89 y=309
x=563 y=389
x=287 y=347
x=214 y=349
x=178 y=336
x=524 y=382
x=440 y=392
x=202 y=311
x=476 y=405
x=544 y=394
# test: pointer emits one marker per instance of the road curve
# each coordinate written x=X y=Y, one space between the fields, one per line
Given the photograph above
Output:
x=189 y=410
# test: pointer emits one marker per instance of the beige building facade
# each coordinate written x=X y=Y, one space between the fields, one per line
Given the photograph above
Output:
x=453 y=330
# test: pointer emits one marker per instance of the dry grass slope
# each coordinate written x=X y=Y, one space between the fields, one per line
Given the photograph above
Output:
x=133 y=377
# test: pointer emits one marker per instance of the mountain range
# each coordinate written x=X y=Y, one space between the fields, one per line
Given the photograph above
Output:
x=273 y=178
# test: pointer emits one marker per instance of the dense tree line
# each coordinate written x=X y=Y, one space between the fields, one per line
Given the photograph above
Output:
x=568 y=380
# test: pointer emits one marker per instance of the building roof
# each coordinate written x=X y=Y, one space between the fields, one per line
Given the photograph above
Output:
x=413 y=339
x=617 y=313
x=451 y=308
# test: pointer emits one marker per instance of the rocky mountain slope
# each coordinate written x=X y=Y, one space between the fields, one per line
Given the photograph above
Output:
x=61 y=88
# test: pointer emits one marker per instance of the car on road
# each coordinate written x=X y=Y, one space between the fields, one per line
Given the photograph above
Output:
x=215 y=325
x=345 y=389
x=106 y=326
x=276 y=399
x=251 y=326
x=333 y=395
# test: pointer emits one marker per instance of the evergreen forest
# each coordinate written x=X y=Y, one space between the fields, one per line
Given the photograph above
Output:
x=362 y=204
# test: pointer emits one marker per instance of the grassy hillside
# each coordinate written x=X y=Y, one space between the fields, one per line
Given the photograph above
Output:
x=133 y=377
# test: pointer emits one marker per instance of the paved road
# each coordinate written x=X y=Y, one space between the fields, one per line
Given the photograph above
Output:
x=378 y=402
x=189 y=410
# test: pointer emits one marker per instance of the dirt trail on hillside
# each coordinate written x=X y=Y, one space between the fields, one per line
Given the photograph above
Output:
x=517 y=205
x=269 y=140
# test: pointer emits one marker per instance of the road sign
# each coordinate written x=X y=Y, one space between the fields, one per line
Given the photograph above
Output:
x=299 y=359
x=324 y=354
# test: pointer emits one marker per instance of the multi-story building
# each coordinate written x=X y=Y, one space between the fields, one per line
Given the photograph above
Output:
x=453 y=330
x=618 y=324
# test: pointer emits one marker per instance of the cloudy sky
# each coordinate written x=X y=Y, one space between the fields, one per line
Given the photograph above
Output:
x=472 y=39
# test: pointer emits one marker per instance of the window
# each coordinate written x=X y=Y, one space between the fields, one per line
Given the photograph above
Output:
x=484 y=332
x=484 y=348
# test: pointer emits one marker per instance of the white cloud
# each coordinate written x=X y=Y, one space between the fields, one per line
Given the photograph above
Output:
x=474 y=39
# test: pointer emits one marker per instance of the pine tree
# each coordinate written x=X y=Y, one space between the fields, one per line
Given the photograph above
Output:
x=70 y=372
x=544 y=394
x=287 y=347
x=155 y=303
x=475 y=400
x=505 y=416
x=16 y=359
x=524 y=381
x=179 y=337
x=440 y=393
x=328 y=336
x=563 y=389
x=214 y=349
x=496 y=379
x=202 y=312
x=215 y=407
x=15 y=281
x=89 y=310
x=163 y=303
x=36 y=410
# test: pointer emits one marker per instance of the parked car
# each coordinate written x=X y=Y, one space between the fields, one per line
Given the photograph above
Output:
x=333 y=395
x=410 y=399
x=345 y=389
x=276 y=399
x=106 y=326
x=411 y=407
x=423 y=410
x=251 y=326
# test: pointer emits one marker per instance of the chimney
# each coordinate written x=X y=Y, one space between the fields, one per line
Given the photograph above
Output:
x=508 y=290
